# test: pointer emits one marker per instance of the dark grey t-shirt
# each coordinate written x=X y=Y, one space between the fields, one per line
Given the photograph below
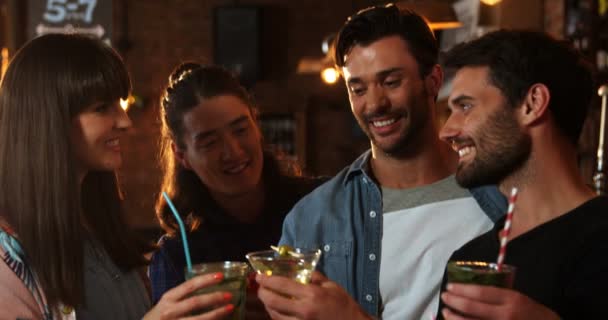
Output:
x=109 y=292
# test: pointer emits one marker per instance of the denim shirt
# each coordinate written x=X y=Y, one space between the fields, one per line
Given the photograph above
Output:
x=343 y=217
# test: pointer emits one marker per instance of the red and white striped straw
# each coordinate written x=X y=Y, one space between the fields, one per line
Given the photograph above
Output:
x=506 y=230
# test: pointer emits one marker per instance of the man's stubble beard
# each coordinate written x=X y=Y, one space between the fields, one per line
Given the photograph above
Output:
x=501 y=150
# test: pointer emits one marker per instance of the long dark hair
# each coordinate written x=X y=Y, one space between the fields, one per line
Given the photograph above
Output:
x=189 y=84
x=50 y=81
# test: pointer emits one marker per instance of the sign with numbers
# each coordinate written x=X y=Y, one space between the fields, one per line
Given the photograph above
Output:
x=92 y=17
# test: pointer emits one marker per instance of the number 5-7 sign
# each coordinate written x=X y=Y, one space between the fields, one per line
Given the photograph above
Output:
x=60 y=10
x=92 y=17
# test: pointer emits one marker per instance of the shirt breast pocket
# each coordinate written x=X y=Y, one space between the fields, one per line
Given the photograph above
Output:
x=336 y=261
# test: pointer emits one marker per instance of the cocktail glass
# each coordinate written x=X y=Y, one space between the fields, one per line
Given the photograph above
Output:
x=297 y=264
x=482 y=273
x=234 y=282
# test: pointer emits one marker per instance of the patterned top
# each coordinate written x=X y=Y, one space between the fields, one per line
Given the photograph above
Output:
x=14 y=259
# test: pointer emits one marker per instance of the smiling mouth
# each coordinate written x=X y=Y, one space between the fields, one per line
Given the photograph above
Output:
x=465 y=151
x=113 y=143
x=383 y=123
x=237 y=169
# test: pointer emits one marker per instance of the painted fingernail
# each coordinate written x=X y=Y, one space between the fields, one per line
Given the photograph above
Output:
x=229 y=307
x=227 y=296
x=218 y=276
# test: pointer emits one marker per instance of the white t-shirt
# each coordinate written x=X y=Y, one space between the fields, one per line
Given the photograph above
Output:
x=422 y=227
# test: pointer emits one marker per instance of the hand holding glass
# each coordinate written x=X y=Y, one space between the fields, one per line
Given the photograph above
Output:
x=482 y=273
x=234 y=282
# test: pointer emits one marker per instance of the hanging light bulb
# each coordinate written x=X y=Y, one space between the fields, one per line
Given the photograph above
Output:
x=490 y=2
x=330 y=75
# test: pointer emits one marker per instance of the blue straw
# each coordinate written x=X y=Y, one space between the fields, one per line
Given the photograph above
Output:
x=182 y=230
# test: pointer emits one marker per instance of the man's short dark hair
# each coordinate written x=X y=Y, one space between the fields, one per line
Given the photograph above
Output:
x=374 y=23
x=519 y=59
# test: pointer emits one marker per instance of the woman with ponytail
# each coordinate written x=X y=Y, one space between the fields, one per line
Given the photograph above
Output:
x=233 y=192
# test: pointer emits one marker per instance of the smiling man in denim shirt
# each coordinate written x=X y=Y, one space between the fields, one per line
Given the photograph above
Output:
x=388 y=223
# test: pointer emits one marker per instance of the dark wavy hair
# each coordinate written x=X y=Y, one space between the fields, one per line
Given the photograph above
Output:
x=49 y=82
x=519 y=59
x=190 y=84
x=374 y=23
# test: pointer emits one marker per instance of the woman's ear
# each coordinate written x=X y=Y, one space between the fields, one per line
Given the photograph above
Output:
x=180 y=156
x=535 y=104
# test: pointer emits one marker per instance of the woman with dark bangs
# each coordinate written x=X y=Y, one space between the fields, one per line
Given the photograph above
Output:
x=65 y=251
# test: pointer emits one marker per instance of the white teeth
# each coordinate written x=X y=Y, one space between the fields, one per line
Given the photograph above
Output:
x=383 y=122
x=464 y=151
x=113 y=142
x=237 y=169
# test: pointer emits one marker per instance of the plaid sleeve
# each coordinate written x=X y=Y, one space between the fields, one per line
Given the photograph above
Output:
x=163 y=274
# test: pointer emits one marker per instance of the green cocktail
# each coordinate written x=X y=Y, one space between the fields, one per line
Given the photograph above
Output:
x=297 y=264
x=235 y=282
x=482 y=273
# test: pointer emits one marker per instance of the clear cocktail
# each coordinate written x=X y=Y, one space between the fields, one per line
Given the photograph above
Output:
x=297 y=264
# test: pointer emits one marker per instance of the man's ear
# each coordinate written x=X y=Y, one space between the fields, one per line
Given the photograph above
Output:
x=535 y=104
x=179 y=156
x=434 y=80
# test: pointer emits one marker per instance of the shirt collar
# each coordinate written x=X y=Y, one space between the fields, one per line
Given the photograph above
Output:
x=359 y=166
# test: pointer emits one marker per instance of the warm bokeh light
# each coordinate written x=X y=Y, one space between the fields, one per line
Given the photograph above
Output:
x=5 y=58
x=490 y=2
x=444 y=25
x=125 y=103
x=438 y=14
x=330 y=75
